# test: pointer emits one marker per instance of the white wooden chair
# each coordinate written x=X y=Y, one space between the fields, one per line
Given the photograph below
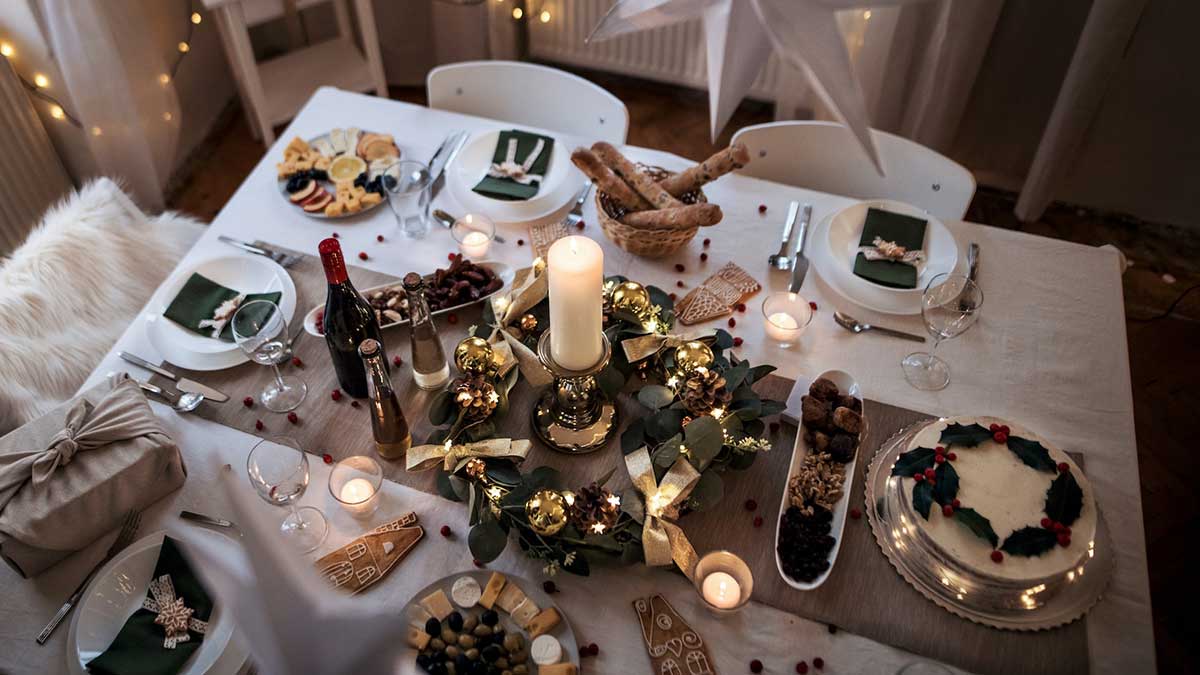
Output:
x=274 y=90
x=824 y=156
x=526 y=93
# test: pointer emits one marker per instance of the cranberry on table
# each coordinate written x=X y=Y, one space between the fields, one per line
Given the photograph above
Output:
x=703 y=257
x=379 y=237
x=737 y=342
x=756 y=666
x=762 y=208
x=549 y=586
x=819 y=663
x=445 y=531
x=336 y=394
x=812 y=305
x=297 y=362
x=948 y=510
x=248 y=401
x=751 y=505
x=855 y=514
x=997 y=556
x=679 y=267
x=707 y=242
x=732 y=322
x=293 y=418
x=1063 y=467
x=258 y=425
x=758 y=521
x=327 y=458
x=396 y=361
x=362 y=255
x=802 y=667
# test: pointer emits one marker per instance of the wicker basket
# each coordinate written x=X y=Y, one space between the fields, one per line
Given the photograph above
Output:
x=648 y=243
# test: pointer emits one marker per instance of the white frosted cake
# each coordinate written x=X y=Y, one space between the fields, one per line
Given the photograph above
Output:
x=1000 y=500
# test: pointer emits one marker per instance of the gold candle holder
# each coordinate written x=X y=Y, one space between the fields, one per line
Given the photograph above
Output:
x=573 y=415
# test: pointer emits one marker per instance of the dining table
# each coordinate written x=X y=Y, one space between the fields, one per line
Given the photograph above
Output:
x=1049 y=350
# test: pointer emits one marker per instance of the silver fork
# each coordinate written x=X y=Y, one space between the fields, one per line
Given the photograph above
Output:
x=284 y=260
x=576 y=213
x=129 y=529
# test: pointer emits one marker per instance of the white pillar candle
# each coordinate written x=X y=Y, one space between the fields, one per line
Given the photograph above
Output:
x=576 y=276
x=721 y=590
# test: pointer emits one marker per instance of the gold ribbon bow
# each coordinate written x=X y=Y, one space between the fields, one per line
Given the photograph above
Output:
x=449 y=455
x=663 y=540
x=643 y=346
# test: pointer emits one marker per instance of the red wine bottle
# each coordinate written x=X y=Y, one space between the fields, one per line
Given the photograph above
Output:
x=347 y=322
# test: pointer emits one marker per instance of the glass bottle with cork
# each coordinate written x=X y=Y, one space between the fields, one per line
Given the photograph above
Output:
x=388 y=424
x=430 y=368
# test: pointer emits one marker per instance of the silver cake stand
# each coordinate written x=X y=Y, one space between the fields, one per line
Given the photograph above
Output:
x=961 y=590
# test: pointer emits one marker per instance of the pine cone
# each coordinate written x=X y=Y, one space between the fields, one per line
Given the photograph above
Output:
x=703 y=391
x=475 y=395
x=594 y=510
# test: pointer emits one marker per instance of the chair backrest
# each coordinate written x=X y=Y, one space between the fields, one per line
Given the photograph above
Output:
x=527 y=93
x=824 y=156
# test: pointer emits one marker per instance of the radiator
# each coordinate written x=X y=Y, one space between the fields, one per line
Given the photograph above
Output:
x=673 y=54
x=31 y=175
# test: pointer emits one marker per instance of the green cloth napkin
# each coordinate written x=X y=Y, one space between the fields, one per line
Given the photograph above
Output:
x=906 y=231
x=200 y=297
x=138 y=648
x=507 y=188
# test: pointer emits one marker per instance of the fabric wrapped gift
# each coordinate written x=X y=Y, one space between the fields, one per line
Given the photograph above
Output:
x=72 y=475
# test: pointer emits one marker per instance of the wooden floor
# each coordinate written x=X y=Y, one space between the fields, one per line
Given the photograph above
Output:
x=1164 y=358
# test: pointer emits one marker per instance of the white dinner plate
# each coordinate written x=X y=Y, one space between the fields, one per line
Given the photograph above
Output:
x=560 y=184
x=941 y=251
x=244 y=273
x=116 y=592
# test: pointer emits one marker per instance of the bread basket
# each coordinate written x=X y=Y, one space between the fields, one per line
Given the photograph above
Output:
x=645 y=242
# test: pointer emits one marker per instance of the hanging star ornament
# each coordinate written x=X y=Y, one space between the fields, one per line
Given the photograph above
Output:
x=741 y=34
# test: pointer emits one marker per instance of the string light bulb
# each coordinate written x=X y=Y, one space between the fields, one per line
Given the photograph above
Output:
x=544 y=17
x=164 y=79
x=167 y=117
x=518 y=13
x=867 y=15
x=7 y=50
x=97 y=131
x=196 y=18
x=184 y=47
x=57 y=112
x=41 y=81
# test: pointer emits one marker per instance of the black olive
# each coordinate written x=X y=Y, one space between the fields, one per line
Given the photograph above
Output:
x=455 y=620
x=490 y=618
x=433 y=627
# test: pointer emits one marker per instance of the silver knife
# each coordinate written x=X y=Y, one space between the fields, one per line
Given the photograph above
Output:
x=972 y=273
x=181 y=383
x=799 y=262
x=207 y=520
x=441 y=158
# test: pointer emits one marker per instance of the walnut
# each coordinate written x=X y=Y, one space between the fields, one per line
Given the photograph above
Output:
x=818 y=482
x=851 y=403
x=813 y=411
x=847 y=420
x=842 y=447
x=824 y=389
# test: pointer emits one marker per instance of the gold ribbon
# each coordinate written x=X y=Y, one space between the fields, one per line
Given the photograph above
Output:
x=449 y=455
x=530 y=286
x=662 y=540
x=643 y=346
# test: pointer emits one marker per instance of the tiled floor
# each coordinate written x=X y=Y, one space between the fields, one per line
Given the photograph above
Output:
x=1164 y=358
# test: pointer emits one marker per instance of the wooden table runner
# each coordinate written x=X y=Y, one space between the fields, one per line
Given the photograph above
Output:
x=864 y=594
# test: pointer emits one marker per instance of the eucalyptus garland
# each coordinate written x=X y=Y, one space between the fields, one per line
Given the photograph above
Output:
x=936 y=481
x=700 y=408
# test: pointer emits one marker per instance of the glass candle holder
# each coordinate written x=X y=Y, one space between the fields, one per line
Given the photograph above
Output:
x=354 y=483
x=785 y=317
x=723 y=581
x=474 y=233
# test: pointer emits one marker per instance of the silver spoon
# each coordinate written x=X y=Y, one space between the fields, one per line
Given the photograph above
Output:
x=182 y=403
x=447 y=221
x=855 y=326
x=780 y=260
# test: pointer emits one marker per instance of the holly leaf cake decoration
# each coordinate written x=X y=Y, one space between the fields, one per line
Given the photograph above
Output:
x=913 y=462
x=969 y=435
x=1032 y=453
x=1030 y=541
x=922 y=498
x=1064 y=499
x=947 y=484
x=977 y=524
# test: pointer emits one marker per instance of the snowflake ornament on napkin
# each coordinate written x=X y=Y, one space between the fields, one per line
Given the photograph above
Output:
x=172 y=613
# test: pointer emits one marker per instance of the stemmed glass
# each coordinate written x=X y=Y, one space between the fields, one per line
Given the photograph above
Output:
x=278 y=470
x=950 y=305
x=261 y=331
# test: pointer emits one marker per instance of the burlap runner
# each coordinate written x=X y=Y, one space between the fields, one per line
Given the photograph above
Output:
x=864 y=594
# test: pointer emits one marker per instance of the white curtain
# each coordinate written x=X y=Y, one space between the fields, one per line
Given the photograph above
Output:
x=112 y=64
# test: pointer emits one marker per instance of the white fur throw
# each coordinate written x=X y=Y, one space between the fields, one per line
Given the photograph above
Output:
x=73 y=287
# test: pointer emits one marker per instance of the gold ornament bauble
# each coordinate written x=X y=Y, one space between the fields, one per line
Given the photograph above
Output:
x=692 y=355
x=473 y=356
x=529 y=323
x=631 y=297
x=547 y=512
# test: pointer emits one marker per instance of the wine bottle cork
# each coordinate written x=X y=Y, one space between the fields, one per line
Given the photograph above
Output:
x=607 y=181
x=675 y=218
x=644 y=184
x=730 y=159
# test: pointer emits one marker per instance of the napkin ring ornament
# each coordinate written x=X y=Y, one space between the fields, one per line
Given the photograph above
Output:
x=881 y=249
x=511 y=170
x=222 y=314
x=172 y=614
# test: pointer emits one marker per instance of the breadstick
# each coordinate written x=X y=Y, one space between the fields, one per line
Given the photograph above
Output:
x=607 y=181
x=730 y=159
x=638 y=180
x=675 y=218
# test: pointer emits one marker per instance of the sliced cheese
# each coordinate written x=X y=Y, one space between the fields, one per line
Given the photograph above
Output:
x=544 y=622
x=437 y=604
x=492 y=591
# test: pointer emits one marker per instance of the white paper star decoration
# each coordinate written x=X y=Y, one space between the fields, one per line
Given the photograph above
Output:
x=740 y=35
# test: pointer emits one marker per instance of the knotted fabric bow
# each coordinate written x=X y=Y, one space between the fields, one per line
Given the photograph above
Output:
x=448 y=455
x=662 y=540
x=644 y=346
x=890 y=250
x=511 y=170
x=173 y=615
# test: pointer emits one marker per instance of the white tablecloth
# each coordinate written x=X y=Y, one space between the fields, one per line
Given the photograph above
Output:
x=1049 y=350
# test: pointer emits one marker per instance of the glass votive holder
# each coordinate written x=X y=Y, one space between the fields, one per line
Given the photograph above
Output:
x=785 y=317
x=354 y=483
x=408 y=186
x=474 y=233
x=723 y=581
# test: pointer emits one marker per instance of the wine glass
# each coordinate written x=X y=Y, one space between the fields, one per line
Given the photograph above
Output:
x=278 y=470
x=950 y=305
x=261 y=331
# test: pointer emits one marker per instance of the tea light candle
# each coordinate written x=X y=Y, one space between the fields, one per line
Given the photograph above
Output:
x=475 y=245
x=780 y=326
x=785 y=317
x=576 y=268
x=354 y=482
x=474 y=233
x=721 y=590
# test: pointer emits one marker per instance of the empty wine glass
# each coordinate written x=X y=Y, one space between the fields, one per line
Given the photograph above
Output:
x=950 y=305
x=278 y=470
x=261 y=331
